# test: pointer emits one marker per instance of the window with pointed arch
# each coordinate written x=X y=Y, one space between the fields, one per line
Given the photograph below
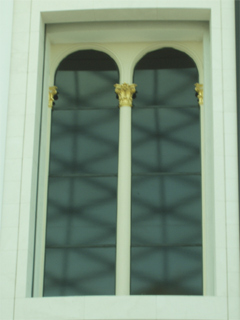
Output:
x=124 y=208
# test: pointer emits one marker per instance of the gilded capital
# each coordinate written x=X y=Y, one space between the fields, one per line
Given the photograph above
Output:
x=51 y=94
x=199 y=90
x=125 y=92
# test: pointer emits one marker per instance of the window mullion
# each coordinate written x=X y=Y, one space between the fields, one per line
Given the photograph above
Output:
x=125 y=93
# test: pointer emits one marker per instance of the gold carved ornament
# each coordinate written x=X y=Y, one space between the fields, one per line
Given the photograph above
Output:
x=125 y=92
x=51 y=96
x=199 y=90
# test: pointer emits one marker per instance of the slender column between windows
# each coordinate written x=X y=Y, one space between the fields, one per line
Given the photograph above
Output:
x=125 y=93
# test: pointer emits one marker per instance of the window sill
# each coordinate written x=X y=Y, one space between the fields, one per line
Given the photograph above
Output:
x=123 y=307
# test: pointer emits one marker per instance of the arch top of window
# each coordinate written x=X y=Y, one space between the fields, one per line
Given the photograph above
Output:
x=165 y=58
x=85 y=79
x=87 y=60
x=166 y=78
x=126 y=42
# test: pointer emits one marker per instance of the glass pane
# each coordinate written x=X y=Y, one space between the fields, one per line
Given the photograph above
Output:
x=166 y=77
x=85 y=79
x=166 y=140
x=166 y=222
x=166 y=210
x=82 y=89
x=86 y=271
x=81 y=211
x=84 y=142
x=166 y=271
x=165 y=88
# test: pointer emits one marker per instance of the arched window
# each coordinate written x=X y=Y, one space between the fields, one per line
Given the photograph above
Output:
x=81 y=211
x=166 y=237
x=154 y=208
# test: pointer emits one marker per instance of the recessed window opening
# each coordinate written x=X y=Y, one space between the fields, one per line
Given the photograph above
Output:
x=165 y=220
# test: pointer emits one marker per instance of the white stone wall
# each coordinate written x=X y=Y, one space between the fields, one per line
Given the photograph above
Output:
x=6 y=16
x=21 y=163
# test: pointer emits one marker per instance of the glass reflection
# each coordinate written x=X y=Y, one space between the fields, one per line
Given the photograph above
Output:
x=166 y=243
x=81 y=211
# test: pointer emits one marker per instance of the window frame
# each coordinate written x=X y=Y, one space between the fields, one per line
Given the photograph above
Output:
x=55 y=53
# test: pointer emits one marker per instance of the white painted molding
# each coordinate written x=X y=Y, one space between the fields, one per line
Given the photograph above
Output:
x=6 y=17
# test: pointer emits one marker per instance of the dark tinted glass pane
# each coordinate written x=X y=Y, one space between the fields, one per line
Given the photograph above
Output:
x=86 y=79
x=79 y=271
x=166 y=177
x=166 y=270
x=84 y=142
x=165 y=77
x=166 y=88
x=166 y=140
x=166 y=210
x=81 y=211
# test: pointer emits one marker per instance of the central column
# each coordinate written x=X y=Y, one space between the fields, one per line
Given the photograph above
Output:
x=125 y=93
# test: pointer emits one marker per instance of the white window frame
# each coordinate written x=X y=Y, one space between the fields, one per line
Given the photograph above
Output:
x=221 y=300
x=126 y=54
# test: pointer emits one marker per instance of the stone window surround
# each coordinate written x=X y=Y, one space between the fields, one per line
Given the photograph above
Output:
x=215 y=300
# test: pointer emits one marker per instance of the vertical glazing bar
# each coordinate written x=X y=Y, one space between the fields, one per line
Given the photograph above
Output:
x=125 y=93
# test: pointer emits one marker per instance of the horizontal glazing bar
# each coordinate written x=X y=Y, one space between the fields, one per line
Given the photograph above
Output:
x=82 y=247
x=112 y=107
x=166 y=245
x=133 y=174
x=85 y=108
x=87 y=175
x=166 y=174
x=167 y=107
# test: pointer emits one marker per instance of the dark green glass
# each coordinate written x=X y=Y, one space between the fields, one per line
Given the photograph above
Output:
x=79 y=271
x=81 y=210
x=166 y=227
x=84 y=142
